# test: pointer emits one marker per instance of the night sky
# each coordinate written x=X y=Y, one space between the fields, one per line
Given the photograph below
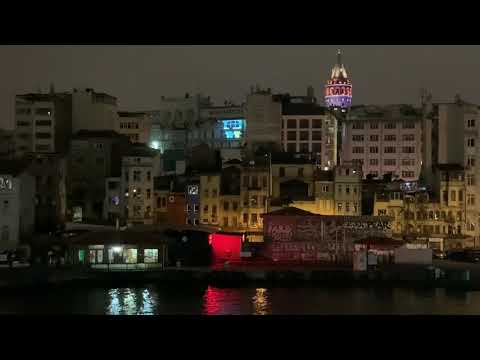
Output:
x=139 y=75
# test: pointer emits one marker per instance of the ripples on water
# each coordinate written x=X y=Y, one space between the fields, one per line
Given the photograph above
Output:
x=160 y=300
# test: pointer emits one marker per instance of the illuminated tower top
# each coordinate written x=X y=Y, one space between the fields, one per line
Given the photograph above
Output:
x=338 y=90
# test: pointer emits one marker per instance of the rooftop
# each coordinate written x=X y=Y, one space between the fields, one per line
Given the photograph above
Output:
x=132 y=114
x=141 y=150
x=302 y=109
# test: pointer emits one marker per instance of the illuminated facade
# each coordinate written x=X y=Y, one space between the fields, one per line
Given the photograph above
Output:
x=338 y=90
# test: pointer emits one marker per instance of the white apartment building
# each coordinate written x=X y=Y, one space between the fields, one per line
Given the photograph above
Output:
x=384 y=139
x=139 y=168
x=17 y=203
x=312 y=129
x=451 y=136
x=135 y=125
x=43 y=123
x=93 y=111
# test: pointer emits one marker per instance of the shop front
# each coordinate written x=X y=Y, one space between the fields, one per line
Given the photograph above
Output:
x=121 y=249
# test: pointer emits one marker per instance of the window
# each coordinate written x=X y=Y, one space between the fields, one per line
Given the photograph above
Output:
x=43 y=123
x=23 y=123
x=408 y=174
x=355 y=190
x=357 y=125
x=408 y=162
x=5 y=234
x=99 y=146
x=460 y=195
x=291 y=147
x=137 y=175
x=291 y=135
x=408 y=137
x=188 y=208
x=409 y=125
x=339 y=207
x=347 y=189
x=374 y=125
x=358 y=161
x=459 y=216
x=20 y=111
x=374 y=162
x=164 y=202
x=149 y=176
x=43 y=135
x=214 y=193
x=158 y=202
x=304 y=124
x=43 y=111
x=226 y=205
x=347 y=207
x=245 y=218
x=149 y=193
x=6 y=207
x=300 y=172
x=373 y=149
x=390 y=138
x=234 y=205
x=453 y=195
x=304 y=148
x=253 y=219
x=316 y=148
x=264 y=182
x=470 y=199
x=317 y=123
x=255 y=182
x=408 y=149
x=225 y=221
x=471 y=123
x=205 y=208
x=324 y=188
x=390 y=125
x=303 y=135
x=150 y=256
x=357 y=150
x=373 y=137
x=316 y=135
x=389 y=150
x=339 y=189
x=445 y=196
x=291 y=124
x=389 y=162
x=357 y=137
x=470 y=179
x=214 y=210
x=471 y=161
x=246 y=182
x=282 y=171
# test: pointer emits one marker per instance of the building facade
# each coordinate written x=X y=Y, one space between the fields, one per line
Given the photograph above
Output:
x=17 y=203
x=385 y=140
x=310 y=129
x=7 y=144
x=135 y=125
x=43 y=123
x=92 y=110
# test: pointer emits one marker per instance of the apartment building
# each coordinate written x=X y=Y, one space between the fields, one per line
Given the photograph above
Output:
x=385 y=140
x=135 y=125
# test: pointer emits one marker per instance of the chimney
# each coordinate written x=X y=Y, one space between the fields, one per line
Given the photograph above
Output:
x=310 y=92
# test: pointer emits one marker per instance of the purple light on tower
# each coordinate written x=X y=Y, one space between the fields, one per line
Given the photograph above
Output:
x=338 y=90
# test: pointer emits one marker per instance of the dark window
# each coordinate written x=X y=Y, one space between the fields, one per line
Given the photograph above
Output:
x=291 y=135
x=164 y=201
x=304 y=148
x=126 y=176
x=409 y=125
x=445 y=196
x=282 y=171
x=158 y=202
x=303 y=135
x=300 y=172
x=291 y=147
x=316 y=135
x=225 y=221
x=373 y=137
x=43 y=123
x=374 y=150
x=149 y=176
x=264 y=182
x=358 y=125
x=317 y=123
x=205 y=208
x=235 y=205
x=43 y=111
x=390 y=138
x=291 y=124
x=23 y=123
x=374 y=125
x=304 y=123
x=42 y=135
x=389 y=150
x=245 y=181
x=226 y=205
x=390 y=125
x=214 y=210
x=316 y=147
x=357 y=137
x=254 y=218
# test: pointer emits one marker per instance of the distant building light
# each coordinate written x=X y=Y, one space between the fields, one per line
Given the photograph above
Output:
x=117 y=249
x=155 y=145
x=325 y=168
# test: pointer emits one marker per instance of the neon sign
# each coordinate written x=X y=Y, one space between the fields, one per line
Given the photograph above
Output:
x=233 y=128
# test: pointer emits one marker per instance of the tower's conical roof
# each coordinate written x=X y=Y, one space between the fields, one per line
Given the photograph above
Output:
x=339 y=72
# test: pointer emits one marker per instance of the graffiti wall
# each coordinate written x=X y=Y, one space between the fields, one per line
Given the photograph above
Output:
x=319 y=238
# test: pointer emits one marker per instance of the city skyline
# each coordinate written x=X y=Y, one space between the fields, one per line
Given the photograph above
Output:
x=139 y=75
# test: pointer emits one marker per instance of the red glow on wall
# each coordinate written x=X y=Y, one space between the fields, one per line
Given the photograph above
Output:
x=226 y=247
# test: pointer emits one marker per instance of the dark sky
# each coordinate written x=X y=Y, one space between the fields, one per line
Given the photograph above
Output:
x=139 y=75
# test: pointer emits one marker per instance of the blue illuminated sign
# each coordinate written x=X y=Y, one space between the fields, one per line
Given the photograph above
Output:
x=233 y=128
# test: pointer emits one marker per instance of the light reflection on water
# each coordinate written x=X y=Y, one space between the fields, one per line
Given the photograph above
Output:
x=212 y=300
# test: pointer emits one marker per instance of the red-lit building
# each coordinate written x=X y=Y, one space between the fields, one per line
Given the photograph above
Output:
x=292 y=234
x=225 y=247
